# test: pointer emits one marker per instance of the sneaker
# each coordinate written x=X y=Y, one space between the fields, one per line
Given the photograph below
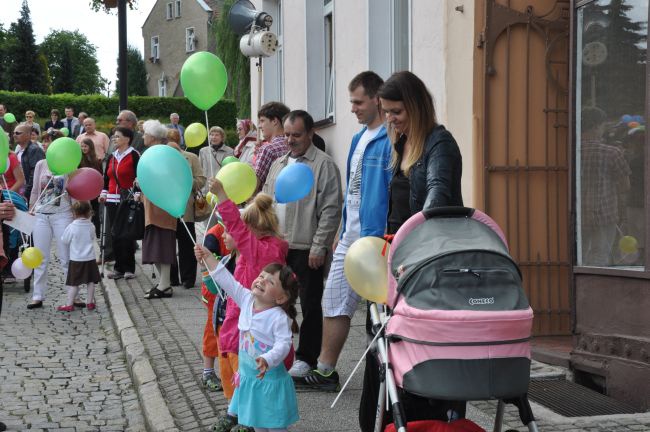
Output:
x=65 y=308
x=115 y=275
x=224 y=424
x=211 y=382
x=129 y=275
x=320 y=381
x=300 y=369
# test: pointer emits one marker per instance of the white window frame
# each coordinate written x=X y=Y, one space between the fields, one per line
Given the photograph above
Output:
x=320 y=49
x=177 y=9
x=274 y=66
x=384 y=36
x=162 y=85
x=190 y=39
x=169 y=10
x=328 y=51
x=155 y=47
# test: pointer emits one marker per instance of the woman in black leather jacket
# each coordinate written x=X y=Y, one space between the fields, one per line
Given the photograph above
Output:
x=426 y=160
x=427 y=167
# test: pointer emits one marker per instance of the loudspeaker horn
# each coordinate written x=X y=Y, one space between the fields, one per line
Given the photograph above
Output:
x=243 y=16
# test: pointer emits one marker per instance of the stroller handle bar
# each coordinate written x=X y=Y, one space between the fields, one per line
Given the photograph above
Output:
x=447 y=212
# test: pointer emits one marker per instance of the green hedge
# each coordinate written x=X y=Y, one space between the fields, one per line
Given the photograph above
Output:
x=222 y=114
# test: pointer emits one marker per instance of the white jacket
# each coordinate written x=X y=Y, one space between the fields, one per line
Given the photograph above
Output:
x=80 y=237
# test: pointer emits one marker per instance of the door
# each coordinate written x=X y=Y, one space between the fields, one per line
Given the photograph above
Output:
x=522 y=101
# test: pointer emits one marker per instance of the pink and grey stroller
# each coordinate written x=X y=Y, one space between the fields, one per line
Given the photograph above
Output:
x=460 y=322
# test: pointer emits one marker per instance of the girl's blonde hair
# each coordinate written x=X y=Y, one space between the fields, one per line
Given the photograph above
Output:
x=260 y=216
x=407 y=88
x=82 y=209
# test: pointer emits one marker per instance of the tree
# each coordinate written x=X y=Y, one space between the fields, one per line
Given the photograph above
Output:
x=24 y=71
x=73 y=62
x=4 y=56
x=237 y=65
x=136 y=74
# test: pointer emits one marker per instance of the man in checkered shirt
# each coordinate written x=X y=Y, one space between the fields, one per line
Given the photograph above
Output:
x=605 y=180
x=270 y=117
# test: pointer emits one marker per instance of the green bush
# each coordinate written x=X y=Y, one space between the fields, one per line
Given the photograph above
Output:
x=145 y=107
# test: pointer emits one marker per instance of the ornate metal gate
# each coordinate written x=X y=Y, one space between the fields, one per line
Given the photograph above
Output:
x=522 y=106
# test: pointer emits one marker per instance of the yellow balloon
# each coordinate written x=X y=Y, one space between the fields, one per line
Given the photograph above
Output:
x=195 y=135
x=211 y=199
x=367 y=269
x=628 y=244
x=32 y=257
x=239 y=181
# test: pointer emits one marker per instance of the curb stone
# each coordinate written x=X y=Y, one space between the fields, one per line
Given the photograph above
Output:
x=156 y=413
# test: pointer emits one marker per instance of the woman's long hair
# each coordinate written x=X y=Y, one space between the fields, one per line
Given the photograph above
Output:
x=407 y=88
x=260 y=216
x=89 y=160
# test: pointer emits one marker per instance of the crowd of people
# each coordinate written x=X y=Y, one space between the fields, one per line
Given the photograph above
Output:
x=270 y=254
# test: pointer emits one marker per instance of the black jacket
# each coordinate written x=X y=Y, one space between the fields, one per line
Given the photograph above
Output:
x=435 y=177
x=28 y=161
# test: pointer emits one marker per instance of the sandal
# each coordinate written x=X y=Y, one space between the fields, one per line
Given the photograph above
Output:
x=156 y=293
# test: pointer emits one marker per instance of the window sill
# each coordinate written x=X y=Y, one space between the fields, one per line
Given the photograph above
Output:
x=636 y=272
x=324 y=123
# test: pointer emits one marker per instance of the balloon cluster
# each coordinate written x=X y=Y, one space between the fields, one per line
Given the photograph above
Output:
x=31 y=258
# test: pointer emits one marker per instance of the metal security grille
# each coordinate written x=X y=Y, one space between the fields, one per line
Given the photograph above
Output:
x=572 y=400
x=525 y=176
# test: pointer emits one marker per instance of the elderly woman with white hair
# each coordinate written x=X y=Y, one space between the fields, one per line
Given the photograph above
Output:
x=159 y=244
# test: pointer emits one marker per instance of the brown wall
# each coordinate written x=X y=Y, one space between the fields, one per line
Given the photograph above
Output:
x=612 y=334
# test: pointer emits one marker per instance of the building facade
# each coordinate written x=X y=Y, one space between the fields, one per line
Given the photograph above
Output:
x=547 y=101
x=174 y=30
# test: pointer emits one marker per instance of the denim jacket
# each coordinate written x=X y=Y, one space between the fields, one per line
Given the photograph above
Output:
x=375 y=182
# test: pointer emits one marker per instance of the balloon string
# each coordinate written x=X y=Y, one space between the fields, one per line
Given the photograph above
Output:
x=202 y=260
x=207 y=125
x=388 y=238
x=43 y=191
x=51 y=201
x=207 y=226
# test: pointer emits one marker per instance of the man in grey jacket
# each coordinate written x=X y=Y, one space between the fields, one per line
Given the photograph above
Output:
x=309 y=225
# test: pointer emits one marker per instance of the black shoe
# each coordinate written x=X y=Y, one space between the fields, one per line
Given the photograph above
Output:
x=320 y=381
x=188 y=284
x=36 y=305
x=3 y=427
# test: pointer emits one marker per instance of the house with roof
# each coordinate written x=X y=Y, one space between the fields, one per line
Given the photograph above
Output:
x=173 y=31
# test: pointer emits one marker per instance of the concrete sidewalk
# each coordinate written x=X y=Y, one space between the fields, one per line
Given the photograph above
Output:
x=171 y=332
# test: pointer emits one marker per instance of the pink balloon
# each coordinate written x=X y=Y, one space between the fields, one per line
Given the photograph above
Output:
x=20 y=270
x=85 y=184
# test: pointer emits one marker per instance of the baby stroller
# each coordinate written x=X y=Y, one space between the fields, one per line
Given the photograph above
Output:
x=460 y=322
x=12 y=238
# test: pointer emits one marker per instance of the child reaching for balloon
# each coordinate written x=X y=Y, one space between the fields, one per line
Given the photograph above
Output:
x=79 y=238
x=256 y=235
x=265 y=397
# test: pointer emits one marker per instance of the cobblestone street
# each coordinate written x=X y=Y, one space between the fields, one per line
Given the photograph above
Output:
x=63 y=371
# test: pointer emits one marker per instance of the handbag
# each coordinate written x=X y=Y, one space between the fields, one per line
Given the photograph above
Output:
x=202 y=209
x=128 y=223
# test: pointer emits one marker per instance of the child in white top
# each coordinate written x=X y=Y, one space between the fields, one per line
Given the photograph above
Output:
x=265 y=397
x=79 y=238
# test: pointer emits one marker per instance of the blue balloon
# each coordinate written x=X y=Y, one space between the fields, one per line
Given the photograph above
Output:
x=639 y=119
x=293 y=183
x=626 y=118
x=165 y=178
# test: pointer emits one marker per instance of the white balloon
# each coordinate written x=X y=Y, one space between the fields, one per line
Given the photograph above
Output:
x=19 y=270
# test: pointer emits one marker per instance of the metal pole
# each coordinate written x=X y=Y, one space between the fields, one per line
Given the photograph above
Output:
x=121 y=24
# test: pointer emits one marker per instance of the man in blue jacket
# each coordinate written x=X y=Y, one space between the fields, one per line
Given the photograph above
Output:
x=364 y=214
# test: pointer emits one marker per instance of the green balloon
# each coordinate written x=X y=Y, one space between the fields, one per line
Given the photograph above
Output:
x=228 y=160
x=204 y=79
x=165 y=178
x=65 y=131
x=63 y=156
x=4 y=152
x=10 y=118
